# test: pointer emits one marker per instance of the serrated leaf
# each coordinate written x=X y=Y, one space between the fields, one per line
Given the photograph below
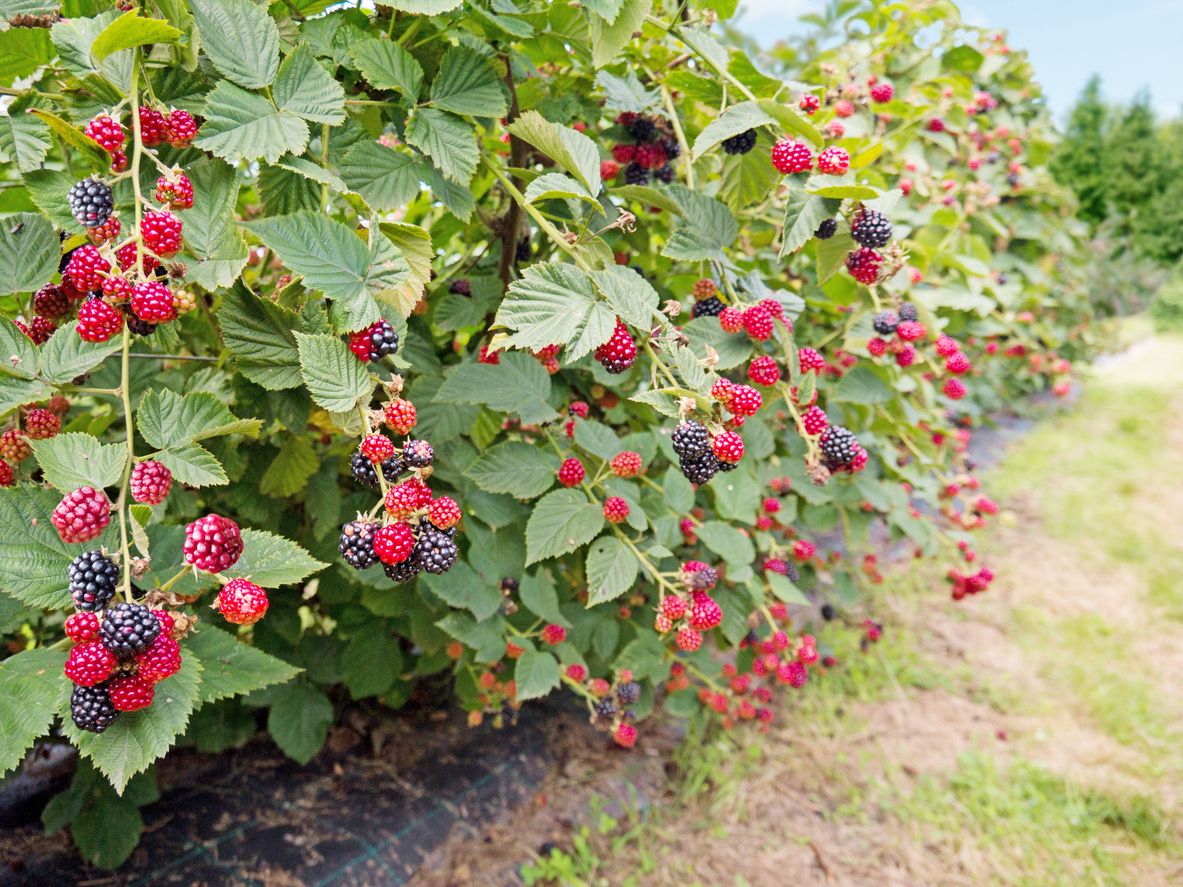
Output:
x=299 y=720
x=555 y=185
x=555 y=303
x=306 y=89
x=414 y=244
x=611 y=570
x=386 y=65
x=386 y=178
x=14 y=392
x=241 y=125
x=30 y=683
x=335 y=379
x=73 y=38
x=130 y=30
x=29 y=252
x=291 y=468
x=862 y=386
x=627 y=93
x=727 y=542
x=66 y=355
x=608 y=10
x=560 y=523
x=371 y=662
x=464 y=588
x=839 y=187
x=535 y=674
x=448 y=140
x=790 y=120
x=514 y=467
x=23 y=51
x=19 y=357
x=467 y=84
x=24 y=140
x=232 y=668
x=259 y=335
x=609 y=38
x=211 y=237
x=572 y=150
x=538 y=595
x=831 y=255
x=597 y=438
x=631 y=296
x=733 y=121
x=168 y=419
x=518 y=385
x=240 y=38
x=271 y=561
x=136 y=739
x=74 y=460
x=423 y=7
x=194 y=466
x=732 y=349
x=785 y=590
x=803 y=214
x=707 y=229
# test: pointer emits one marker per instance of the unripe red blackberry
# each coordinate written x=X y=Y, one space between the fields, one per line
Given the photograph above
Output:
x=357 y=544
x=91 y=709
x=792 y=673
x=571 y=473
x=404 y=499
x=14 y=446
x=86 y=268
x=810 y=360
x=82 y=627
x=731 y=320
x=833 y=161
x=790 y=156
x=128 y=629
x=704 y=288
x=152 y=301
x=130 y=693
x=619 y=352
x=152 y=128
x=180 y=128
x=689 y=640
x=626 y=464
x=882 y=92
x=41 y=424
x=400 y=415
x=376 y=447
x=955 y=389
x=167 y=623
x=864 y=265
x=393 y=543
x=213 y=543
x=553 y=634
x=809 y=104
x=740 y=144
x=150 y=482
x=90 y=664
x=758 y=323
x=705 y=613
x=615 y=509
x=51 y=302
x=116 y=288
x=241 y=602
x=6 y=475
x=764 y=371
x=844 y=108
x=98 y=321
x=727 y=447
x=673 y=607
x=911 y=330
x=947 y=346
x=814 y=421
x=161 y=232
x=161 y=660
x=744 y=400
x=375 y=342
x=651 y=156
x=175 y=190
x=107 y=131
x=40 y=329
x=91 y=202
x=870 y=228
x=105 y=232
x=625 y=735
x=82 y=515
x=906 y=356
x=444 y=513
x=127 y=255
x=957 y=363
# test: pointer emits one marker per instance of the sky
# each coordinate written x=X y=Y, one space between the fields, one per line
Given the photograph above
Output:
x=1131 y=44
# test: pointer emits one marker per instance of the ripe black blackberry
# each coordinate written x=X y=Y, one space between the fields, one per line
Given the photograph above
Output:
x=522 y=253
x=870 y=228
x=665 y=175
x=672 y=149
x=91 y=202
x=461 y=286
x=839 y=446
x=635 y=174
x=418 y=453
x=629 y=693
x=642 y=129
x=91 y=708
x=704 y=579
x=699 y=471
x=365 y=473
x=691 y=440
x=828 y=612
x=128 y=629
x=827 y=229
x=93 y=577
x=357 y=544
x=383 y=340
x=885 y=323
x=606 y=707
x=791 y=572
x=740 y=144
x=908 y=312
x=727 y=466
x=709 y=307
x=509 y=585
x=404 y=571
x=435 y=550
x=137 y=326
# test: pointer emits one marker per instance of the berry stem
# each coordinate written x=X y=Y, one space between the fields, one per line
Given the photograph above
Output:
x=180 y=574
x=688 y=166
x=120 y=505
x=662 y=368
x=365 y=424
x=722 y=72
x=547 y=228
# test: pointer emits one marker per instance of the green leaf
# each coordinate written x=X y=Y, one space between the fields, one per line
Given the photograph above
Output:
x=66 y=355
x=560 y=523
x=556 y=186
x=608 y=39
x=24 y=139
x=627 y=93
x=211 y=236
x=608 y=10
x=414 y=245
x=464 y=588
x=74 y=460
x=555 y=303
x=168 y=419
x=535 y=674
x=291 y=468
x=241 y=125
x=386 y=65
x=629 y=294
x=611 y=570
x=803 y=214
x=240 y=38
x=863 y=386
x=519 y=469
x=732 y=348
x=136 y=739
x=30 y=683
x=14 y=392
x=733 y=121
x=423 y=7
x=790 y=120
x=839 y=187
x=306 y=89
x=29 y=252
x=538 y=595
x=33 y=557
x=386 y=178
x=299 y=720
x=727 y=542
x=232 y=668
x=336 y=379
x=272 y=561
x=518 y=386
x=18 y=355
x=831 y=255
x=597 y=438
x=107 y=827
x=785 y=590
x=194 y=466
x=570 y=149
x=130 y=30
x=448 y=140
x=259 y=334
x=73 y=38
x=371 y=662
x=23 y=51
x=705 y=232
x=467 y=84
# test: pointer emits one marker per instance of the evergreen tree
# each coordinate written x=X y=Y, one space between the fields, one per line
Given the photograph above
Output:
x=1078 y=162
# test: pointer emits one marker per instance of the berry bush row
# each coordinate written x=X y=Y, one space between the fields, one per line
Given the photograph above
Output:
x=500 y=349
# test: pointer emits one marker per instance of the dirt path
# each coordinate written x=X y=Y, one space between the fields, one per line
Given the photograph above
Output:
x=1027 y=736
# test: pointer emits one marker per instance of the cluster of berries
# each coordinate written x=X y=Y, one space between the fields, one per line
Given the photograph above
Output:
x=690 y=612
x=418 y=533
x=974 y=583
x=375 y=342
x=497 y=692
x=702 y=455
x=649 y=152
x=121 y=651
x=119 y=280
x=214 y=544
x=40 y=423
x=611 y=702
x=905 y=326
x=871 y=230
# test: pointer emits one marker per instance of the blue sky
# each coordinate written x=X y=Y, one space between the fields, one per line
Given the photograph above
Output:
x=1131 y=44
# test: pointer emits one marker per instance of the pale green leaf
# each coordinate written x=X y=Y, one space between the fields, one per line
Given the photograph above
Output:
x=555 y=185
x=19 y=357
x=194 y=466
x=271 y=561
x=572 y=150
x=555 y=303
x=514 y=467
x=386 y=65
x=67 y=355
x=72 y=460
x=535 y=674
x=611 y=570
x=241 y=125
x=336 y=379
x=240 y=38
x=733 y=121
x=629 y=294
x=448 y=140
x=386 y=178
x=30 y=683
x=259 y=335
x=303 y=87
x=560 y=523
x=467 y=84
x=803 y=214
x=24 y=139
x=29 y=252
x=168 y=419
x=130 y=30
x=519 y=386
x=608 y=39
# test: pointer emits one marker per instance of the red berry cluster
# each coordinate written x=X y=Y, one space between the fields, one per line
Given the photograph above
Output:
x=645 y=147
